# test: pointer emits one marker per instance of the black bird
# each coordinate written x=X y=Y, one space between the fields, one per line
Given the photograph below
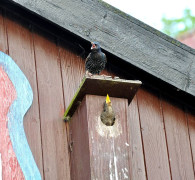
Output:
x=108 y=115
x=96 y=60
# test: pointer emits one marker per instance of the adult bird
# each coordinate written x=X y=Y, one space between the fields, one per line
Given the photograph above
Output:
x=108 y=115
x=96 y=60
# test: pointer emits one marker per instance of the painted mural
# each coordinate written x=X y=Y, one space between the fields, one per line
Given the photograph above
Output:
x=16 y=96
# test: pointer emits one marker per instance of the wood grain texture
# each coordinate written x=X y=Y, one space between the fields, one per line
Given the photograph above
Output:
x=3 y=35
x=108 y=145
x=123 y=36
x=22 y=51
x=137 y=164
x=0 y=167
x=99 y=151
x=79 y=144
x=178 y=141
x=154 y=142
x=50 y=93
x=9 y=167
x=73 y=70
x=54 y=138
x=191 y=126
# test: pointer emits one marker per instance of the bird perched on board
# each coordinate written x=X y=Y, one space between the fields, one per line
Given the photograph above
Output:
x=108 y=115
x=96 y=60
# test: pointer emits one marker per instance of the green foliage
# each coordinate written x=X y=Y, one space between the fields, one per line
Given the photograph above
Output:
x=176 y=27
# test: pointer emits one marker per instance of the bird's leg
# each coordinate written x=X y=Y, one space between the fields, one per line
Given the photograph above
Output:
x=104 y=76
x=116 y=77
x=101 y=75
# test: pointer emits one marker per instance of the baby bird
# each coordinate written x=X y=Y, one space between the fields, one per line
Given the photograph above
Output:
x=96 y=60
x=108 y=115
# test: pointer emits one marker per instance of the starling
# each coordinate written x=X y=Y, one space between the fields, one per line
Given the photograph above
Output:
x=108 y=115
x=96 y=60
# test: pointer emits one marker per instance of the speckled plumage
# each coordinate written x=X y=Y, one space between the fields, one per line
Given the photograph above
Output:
x=96 y=60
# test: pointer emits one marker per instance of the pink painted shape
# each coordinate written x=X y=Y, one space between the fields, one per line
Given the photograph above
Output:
x=10 y=167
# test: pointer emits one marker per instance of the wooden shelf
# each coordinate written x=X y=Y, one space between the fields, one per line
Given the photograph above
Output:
x=102 y=85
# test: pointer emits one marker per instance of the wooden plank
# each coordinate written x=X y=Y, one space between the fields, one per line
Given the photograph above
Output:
x=109 y=148
x=123 y=36
x=154 y=142
x=137 y=164
x=3 y=47
x=73 y=70
x=9 y=167
x=21 y=50
x=0 y=167
x=180 y=156
x=3 y=36
x=79 y=144
x=54 y=138
x=72 y=67
x=191 y=125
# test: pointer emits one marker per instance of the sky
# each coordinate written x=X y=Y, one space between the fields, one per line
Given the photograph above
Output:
x=151 y=11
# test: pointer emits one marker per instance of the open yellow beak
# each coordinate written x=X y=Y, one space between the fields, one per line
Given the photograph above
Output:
x=107 y=99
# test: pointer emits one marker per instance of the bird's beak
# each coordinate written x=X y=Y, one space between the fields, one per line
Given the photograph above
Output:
x=108 y=99
x=93 y=45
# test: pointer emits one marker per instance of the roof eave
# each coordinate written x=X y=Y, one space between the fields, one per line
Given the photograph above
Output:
x=123 y=36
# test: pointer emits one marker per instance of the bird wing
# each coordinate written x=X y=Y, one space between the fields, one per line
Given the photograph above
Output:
x=104 y=56
x=88 y=57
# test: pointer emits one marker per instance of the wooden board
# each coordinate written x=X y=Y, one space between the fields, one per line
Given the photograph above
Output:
x=124 y=36
x=73 y=70
x=137 y=162
x=153 y=134
x=0 y=167
x=3 y=35
x=109 y=148
x=72 y=67
x=79 y=144
x=50 y=92
x=178 y=141
x=102 y=85
x=191 y=125
x=6 y=142
x=22 y=51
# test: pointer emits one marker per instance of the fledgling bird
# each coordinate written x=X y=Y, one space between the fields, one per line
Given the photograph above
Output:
x=96 y=60
x=108 y=115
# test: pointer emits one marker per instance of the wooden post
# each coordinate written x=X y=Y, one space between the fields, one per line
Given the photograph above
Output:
x=99 y=151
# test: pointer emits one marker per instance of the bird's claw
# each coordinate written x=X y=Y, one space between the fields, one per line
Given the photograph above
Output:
x=106 y=77
x=116 y=77
x=88 y=74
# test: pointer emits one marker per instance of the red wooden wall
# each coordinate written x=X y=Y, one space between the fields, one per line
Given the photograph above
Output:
x=162 y=132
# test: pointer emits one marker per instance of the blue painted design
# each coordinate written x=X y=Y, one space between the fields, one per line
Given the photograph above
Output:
x=15 y=117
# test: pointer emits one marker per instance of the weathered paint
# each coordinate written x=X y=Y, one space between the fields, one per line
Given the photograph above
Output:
x=15 y=117
x=9 y=164
x=0 y=168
